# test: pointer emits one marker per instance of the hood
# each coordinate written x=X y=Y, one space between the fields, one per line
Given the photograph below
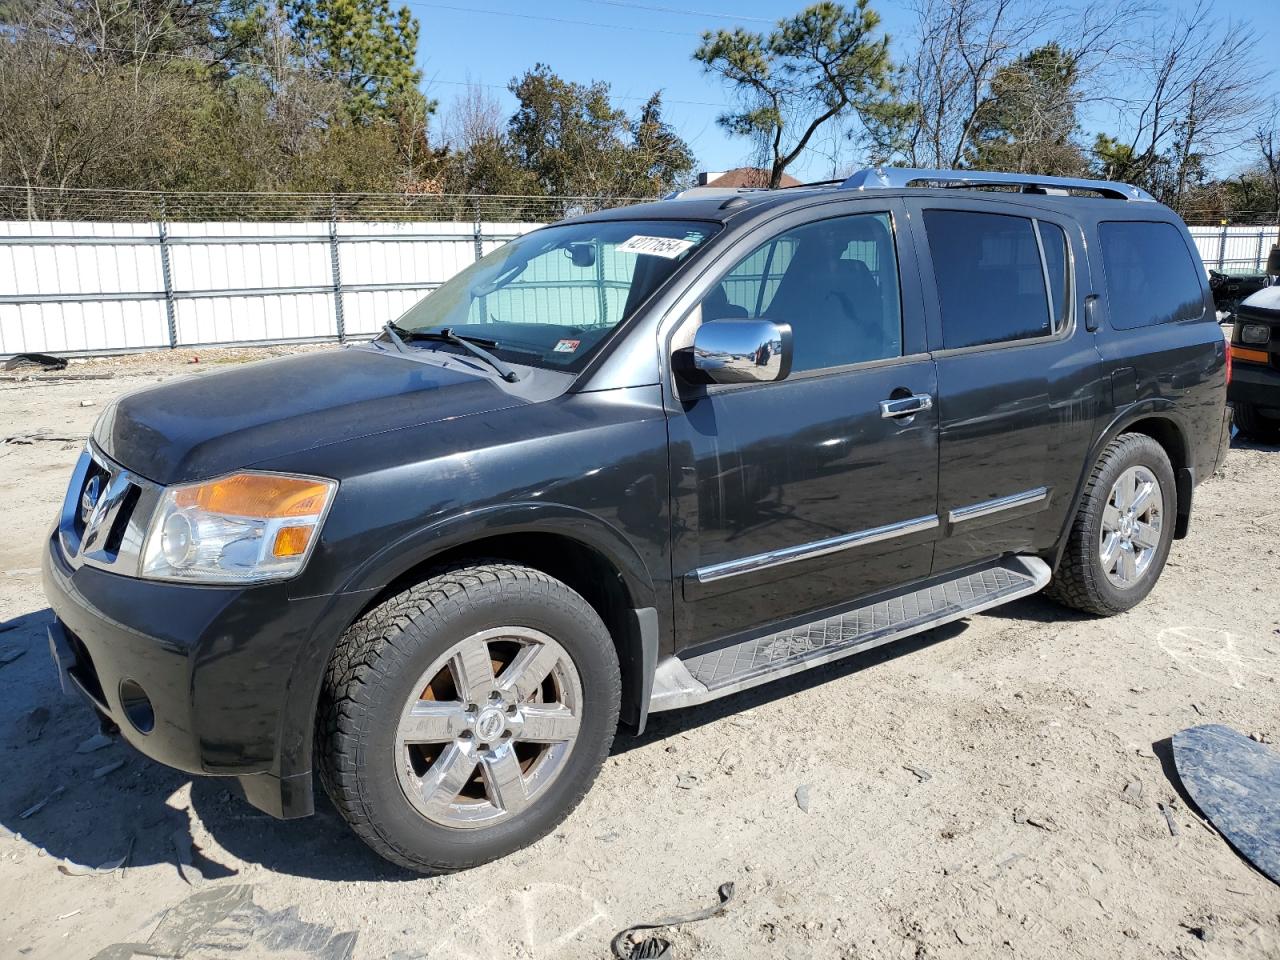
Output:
x=205 y=426
x=1264 y=304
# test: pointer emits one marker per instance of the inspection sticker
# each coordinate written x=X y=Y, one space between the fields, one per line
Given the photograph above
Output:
x=567 y=346
x=668 y=247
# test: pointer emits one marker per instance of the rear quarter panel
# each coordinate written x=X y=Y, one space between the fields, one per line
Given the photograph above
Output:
x=1175 y=371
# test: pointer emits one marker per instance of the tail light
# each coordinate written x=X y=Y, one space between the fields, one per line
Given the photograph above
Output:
x=1228 y=364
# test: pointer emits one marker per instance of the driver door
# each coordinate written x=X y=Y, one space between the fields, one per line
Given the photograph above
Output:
x=799 y=496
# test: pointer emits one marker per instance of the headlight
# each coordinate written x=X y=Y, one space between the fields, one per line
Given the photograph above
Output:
x=1254 y=333
x=244 y=528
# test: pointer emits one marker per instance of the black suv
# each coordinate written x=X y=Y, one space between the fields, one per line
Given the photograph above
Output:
x=632 y=462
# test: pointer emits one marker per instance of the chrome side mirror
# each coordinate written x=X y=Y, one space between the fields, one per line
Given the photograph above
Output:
x=742 y=351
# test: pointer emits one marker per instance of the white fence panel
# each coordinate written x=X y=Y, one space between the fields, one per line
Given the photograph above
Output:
x=48 y=266
x=71 y=287
x=1235 y=249
x=75 y=287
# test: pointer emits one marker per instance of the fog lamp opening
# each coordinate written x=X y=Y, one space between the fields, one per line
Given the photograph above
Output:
x=137 y=706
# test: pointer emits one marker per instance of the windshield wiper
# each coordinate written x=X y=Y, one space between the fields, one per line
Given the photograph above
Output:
x=394 y=336
x=471 y=344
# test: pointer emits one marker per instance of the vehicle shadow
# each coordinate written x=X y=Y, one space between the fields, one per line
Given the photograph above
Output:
x=664 y=725
x=1037 y=608
x=1240 y=442
x=77 y=798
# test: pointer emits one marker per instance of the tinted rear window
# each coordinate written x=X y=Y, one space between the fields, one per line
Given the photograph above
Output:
x=1151 y=276
x=991 y=283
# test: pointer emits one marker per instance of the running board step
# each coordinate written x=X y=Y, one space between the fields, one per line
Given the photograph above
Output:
x=706 y=676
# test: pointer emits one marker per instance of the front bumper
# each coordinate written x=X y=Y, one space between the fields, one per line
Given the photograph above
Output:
x=1255 y=385
x=214 y=664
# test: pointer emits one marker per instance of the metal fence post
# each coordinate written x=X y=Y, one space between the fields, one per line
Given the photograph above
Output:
x=165 y=272
x=1222 y=247
x=335 y=269
x=477 y=234
x=601 y=293
x=1257 y=257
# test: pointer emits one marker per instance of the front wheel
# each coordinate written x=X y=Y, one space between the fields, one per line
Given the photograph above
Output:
x=1121 y=534
x=467 y=716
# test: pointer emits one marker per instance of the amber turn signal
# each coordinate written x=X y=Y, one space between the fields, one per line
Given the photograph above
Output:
x=1252 y=356
x=292 y=541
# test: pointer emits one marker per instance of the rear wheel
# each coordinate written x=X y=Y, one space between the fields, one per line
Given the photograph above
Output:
x=1121 y=534
x=466 y=717
x=1255 y=425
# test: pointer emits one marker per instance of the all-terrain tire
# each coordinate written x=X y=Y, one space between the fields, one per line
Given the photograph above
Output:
x=371 y=676
x=1254 y=425
x=1080 y=581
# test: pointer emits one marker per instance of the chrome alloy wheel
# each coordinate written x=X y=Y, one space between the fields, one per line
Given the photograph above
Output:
x=1131 y=523
x=489 y=727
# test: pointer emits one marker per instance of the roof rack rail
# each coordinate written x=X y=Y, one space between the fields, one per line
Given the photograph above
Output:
x=707 y=193
x=886 y=178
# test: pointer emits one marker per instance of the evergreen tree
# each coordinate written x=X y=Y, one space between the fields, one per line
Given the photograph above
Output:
x=817 y=66
x=368 y=48
x=1027 y=123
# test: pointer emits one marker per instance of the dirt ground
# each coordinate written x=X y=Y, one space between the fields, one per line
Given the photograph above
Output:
x=964 y=788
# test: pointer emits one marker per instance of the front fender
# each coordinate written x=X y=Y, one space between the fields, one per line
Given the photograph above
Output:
x=403 y=555
x=398 y=558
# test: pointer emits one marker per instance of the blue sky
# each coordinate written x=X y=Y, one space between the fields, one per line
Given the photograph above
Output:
x=637 y=51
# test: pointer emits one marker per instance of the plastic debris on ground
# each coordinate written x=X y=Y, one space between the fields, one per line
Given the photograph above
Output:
x=1235 y=781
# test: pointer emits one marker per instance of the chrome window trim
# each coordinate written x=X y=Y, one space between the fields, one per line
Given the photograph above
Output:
x=817 y=548
x=1068 y=322
x=985 y=508
x=1055 y=322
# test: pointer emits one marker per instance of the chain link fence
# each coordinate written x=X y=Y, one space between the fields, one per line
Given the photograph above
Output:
x=143 y=206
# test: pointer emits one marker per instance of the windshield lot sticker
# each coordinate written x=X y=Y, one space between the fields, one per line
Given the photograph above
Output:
x=668 y=247
x=567 y=346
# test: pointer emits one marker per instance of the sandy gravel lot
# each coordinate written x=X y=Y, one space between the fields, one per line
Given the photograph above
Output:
x=1011 y=838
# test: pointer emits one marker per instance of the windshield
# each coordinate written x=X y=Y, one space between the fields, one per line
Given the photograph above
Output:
x=550 y=298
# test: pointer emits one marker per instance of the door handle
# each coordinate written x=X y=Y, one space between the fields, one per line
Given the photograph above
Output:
x=905 y=406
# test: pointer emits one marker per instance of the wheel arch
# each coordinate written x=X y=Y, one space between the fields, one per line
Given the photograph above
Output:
x=1160 y=420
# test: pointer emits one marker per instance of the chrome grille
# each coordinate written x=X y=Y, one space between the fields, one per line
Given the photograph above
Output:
x=104 y=514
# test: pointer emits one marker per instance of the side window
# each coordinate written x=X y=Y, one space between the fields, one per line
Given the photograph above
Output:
x=990 y=278
x=1057 y=265
x=749 y=287
x=1151 y=277
x=834 y=281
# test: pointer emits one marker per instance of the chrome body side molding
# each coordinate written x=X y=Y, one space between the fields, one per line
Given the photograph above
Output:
x=986 y=508
x=817 y=548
